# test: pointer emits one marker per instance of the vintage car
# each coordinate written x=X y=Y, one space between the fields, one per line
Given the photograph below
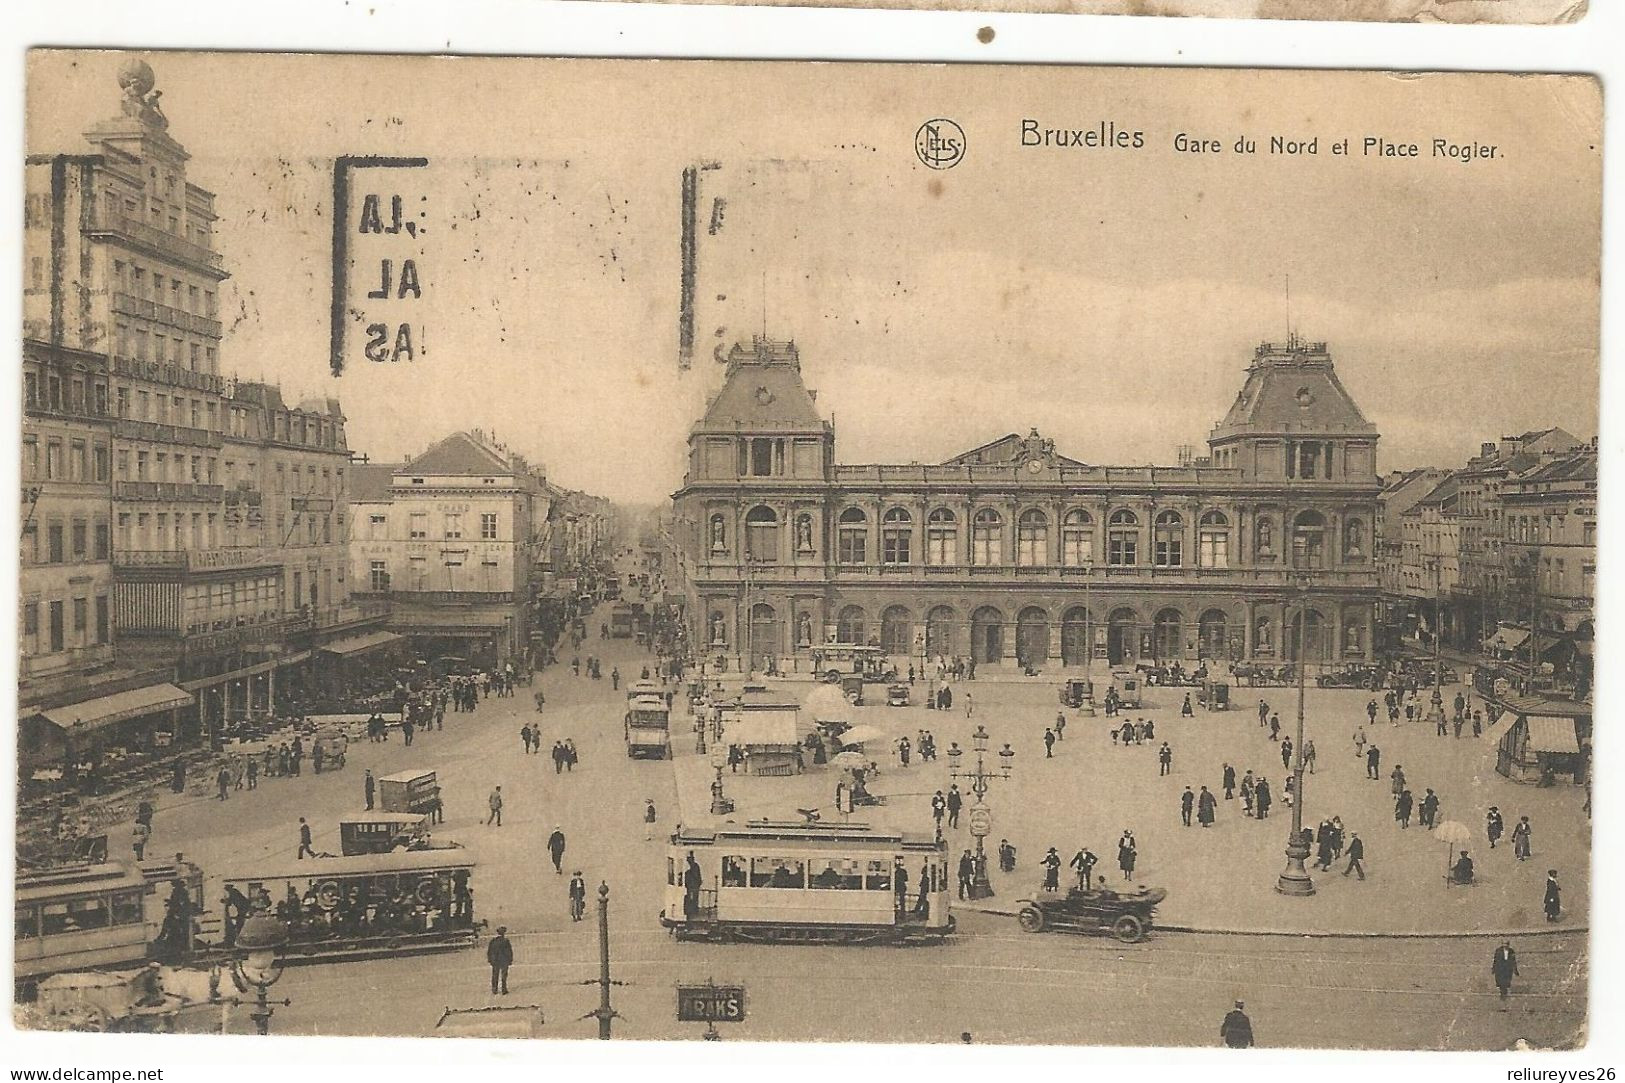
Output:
x=897 y=695
x=1076 y=692
x=1127 y=684
x=1350 y=675
x=852 y=689
x=1125 y=915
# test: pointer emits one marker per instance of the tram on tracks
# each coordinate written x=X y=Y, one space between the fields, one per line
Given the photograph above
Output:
x=768 y=882
x=341 y=908
x=88 y=917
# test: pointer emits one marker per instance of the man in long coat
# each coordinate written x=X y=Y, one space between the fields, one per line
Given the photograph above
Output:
x=1206 y=805
x=1504 y=966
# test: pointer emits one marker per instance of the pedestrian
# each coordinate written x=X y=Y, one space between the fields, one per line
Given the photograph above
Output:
x=1206 y=806
x=304 y=840
x=1504 y=967
x=1237 y=1030
x=969 y=705
x=1494 y=825
x=1165 y=760
x=253 y=772
x=570 y=758
x=558 y=757
x=939 y=806
x=1229 y=783
x=1084 y=861
x=525 y=736
x=1371 y=711
x=956 y=801
x=1248 y=792
x=1309 y=755
x=1049 y=744
x=1187 y=803
x=1397 y=778
x=1356 y=856
x=1521 y=837
x=223 y=781
x=138 y=839
x=578 y=896
x=1402 y=808
x=899 y=878
x=555 y=848
x=1286 y=754
x=495 y=803
x=1127 y=854
x=1007 y=856
x=369 y=787
x=648 y=819
x=1554 y=896
x=1275 y=726
x=1263 y=714
x=1429 y=809
x=1052 y=870
x=1359 y=741
x=499 y=953
x=1262 y=798
x=316 y=758
x=967 y=873
x=1373 y=760
x=239 y=770
x=1060 y=725
x=904 y=749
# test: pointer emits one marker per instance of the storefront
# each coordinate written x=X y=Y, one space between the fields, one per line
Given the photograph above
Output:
x=94 y=744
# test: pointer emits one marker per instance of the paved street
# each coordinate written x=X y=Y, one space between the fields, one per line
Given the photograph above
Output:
x=1342 y=991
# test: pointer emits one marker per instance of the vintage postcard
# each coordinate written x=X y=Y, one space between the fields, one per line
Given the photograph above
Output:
x=807 y=552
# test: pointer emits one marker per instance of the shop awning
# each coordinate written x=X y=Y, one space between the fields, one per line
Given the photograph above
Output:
x=357 y=644
x=759 y=728
x=1507 y=639
x=1550 y=733
x=93 y=714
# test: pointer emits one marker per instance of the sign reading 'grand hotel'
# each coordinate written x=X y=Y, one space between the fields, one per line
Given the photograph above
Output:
x=1013 y=553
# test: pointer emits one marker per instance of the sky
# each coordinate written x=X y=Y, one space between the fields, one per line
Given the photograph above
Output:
x=1110 y=297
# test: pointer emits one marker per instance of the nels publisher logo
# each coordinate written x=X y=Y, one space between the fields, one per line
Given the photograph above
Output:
x=940 y=143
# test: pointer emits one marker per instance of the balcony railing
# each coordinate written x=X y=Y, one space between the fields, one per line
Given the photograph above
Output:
x=101 y=220
x=338 y=615
x=128 y=429
x=174 y=317
x=198 y=560
x=167 y=490
x=246 y=635
x=442 y=597
x=165 y=372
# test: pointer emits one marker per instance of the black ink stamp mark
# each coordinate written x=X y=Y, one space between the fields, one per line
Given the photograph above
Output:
x=343 y=167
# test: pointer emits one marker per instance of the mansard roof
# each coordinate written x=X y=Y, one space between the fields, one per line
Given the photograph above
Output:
x=1293 y=388
x=459 y=453
x=763 y=392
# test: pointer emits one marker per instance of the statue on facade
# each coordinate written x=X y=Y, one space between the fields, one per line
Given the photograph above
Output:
x=804 y=533
x=804 y=630
x=135 y=79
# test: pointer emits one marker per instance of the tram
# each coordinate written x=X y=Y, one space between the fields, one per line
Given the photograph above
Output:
x=357 y=907
x=84 y=917
x=768 y=882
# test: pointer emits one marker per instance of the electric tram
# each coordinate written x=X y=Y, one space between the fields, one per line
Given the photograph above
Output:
x=768 y=882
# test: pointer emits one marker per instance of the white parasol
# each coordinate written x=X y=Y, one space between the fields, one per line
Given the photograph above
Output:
x=849 y=760
x=827 y=704
x=1454 y=834
x=858 y=735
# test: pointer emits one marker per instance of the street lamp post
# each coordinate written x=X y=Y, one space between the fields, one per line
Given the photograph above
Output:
x=981 y=817
x=1087 y=707
x=260 y=963
x=1436 y=706
x=1294 y=878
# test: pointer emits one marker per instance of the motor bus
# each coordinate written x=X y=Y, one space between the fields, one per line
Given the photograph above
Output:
x=365 y=906
x=622 y=622
x=648 y=727
x=84 y=917
x=768 y=882
x=834 y=661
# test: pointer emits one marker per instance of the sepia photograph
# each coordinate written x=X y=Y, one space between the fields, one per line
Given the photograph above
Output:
x=806 y=552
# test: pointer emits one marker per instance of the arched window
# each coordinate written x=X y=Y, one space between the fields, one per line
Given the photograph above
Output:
x=1168 y=549
x=719 y=534
x=1309 y=540
x=1032 y=539
x=852 y=537
x=896 y=536
x=850 y=625
x=1123 y=539
x=987 y=538
x=941 y=537
x=1077 y=539
x=939 y=632
x=1354 y=541
x=897 y=630
x=761 y=534
x=1213 y=541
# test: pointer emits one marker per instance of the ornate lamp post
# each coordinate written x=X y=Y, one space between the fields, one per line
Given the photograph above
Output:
x=260 y=963
x=981 y=817
x=1294 y=879
x=1435 y=713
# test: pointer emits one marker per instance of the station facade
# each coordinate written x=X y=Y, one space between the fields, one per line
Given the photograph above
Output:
x=1014 y=554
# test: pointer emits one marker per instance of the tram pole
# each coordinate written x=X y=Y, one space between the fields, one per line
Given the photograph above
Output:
x=604 y=1013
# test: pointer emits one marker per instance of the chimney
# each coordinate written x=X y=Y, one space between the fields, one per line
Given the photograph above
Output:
x=1487 y=449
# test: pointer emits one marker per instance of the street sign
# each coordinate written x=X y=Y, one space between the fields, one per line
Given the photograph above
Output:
x=981 y=822
x=710 y=1003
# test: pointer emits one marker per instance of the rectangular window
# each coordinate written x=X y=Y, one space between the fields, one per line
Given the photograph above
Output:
x=102 y=626
x=454 y=525
x=81 y=618
x=379 y=575
x=57 y=642
x=79 y=536
x=78 y=461
x=31 y=627
x=1122 y=549
x=1215 y=549
x=30 y=458
x=488 y=526
x=53 y=543
x=777 y=872
x=53 y=460
x=420 y=524
x=104 y=463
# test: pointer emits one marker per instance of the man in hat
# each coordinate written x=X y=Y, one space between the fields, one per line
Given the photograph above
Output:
x=499 y=953
x=1237 y=1030
x=1165 y=760
x=1504 y=966
x=555 y=848
x=369 y=787
x=956 y=801
x=1356 y=856
x=1084 y=861
x=578 y=896
x=967 y=873
x=1187 y=802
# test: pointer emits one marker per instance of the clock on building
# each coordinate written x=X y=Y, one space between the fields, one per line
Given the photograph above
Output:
x=1034 y=465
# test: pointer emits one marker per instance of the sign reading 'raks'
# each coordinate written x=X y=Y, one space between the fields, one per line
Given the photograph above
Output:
x=380 y=222
x=710 y=1003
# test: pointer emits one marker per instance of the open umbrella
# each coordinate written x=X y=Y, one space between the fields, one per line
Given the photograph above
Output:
x=1454 y=834
x=827 y=704
x=857 y=735
x=850 y=760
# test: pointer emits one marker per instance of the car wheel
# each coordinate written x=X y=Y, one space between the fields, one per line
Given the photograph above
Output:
x=1128 y=928
x=1031 y=919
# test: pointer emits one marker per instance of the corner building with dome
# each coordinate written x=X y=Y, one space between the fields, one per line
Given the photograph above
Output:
x=1014 y=554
